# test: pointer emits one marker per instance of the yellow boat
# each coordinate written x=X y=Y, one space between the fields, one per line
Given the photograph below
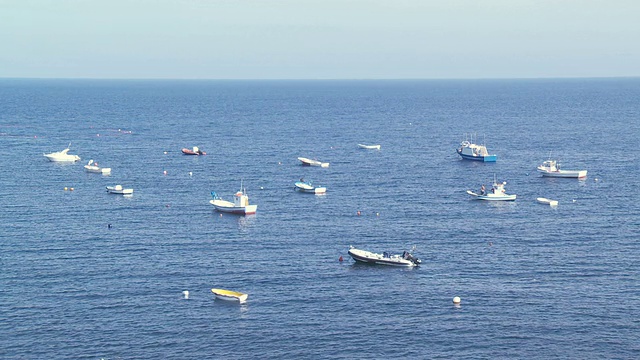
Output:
x=230 y=295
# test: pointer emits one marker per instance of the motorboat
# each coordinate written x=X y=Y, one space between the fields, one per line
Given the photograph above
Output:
x=308 y=187
x=406 y=259
x=497 y=193
x=309 y=162
x=370 y=147
x=62 y=156
x=471 y=151
x=118 y=189
x=193 y=151
x=551 y=168
x=94 y=168
x=240 y=204
x=546 y=201
x=230 y=295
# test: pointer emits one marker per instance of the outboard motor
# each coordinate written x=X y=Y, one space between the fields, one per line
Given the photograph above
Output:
x=413 y=259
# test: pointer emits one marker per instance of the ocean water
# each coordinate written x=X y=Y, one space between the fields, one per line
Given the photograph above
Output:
x=535 y=281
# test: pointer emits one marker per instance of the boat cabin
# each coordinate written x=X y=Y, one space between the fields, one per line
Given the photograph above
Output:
x=240 y=199
x=550 y=165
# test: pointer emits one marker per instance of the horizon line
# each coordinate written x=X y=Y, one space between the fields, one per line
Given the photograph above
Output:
x=322 y=79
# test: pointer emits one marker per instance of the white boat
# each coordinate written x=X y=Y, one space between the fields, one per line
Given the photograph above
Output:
x=406 y=259
x=370 y=147
x=62 y=156
x=477 y=152
x=309 y=162
x=230 y=295
x=240 y=204
x=308 y=187
x=497 y=193
x=118 y=189
x=546 y=201
x=551 y=168
x=94 y=168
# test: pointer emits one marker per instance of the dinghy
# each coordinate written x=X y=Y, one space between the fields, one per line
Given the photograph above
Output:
x=230 y=295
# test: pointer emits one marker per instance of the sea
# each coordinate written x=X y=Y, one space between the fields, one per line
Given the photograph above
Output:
x=89 y=275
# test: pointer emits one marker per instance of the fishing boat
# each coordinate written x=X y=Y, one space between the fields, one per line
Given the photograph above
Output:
x=240 y=204
x=309 y=187
x=62 y=156
x=230 y=295
x=370 y=147
x=477 y=152
x=309 y=162
x=546 y=201
x=406 y=259
x=551 y=168
x=193 y=151
x=497 y=193
x=93 y=167
x=118 y=189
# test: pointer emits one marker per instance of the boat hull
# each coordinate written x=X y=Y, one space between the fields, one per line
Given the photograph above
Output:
x=191 y=152
x=119 y=191
x=229 y=295
x=62 y=158
x=309 y=162
x=370 y=147
x=564 y=173
x=228 y=207
x=306 y=188
x=492 y=197
x=373 y=258
x=485 y=158
x=97 y=170
x=546 y=201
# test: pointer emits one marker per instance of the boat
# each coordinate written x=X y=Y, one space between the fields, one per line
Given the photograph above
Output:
x=193 y=151
x=62 y=156
x=471 y=151
x=94 y=168
x=370 y=147
x=497 y=193
x=546 y=201
x=230 y=295
x=118 y=189
x=406 y=259
x=309 y=162
x=308 y=187
x=551 y=168
x=240 y=204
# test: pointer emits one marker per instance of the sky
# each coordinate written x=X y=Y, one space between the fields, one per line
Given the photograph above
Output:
x=319 y=39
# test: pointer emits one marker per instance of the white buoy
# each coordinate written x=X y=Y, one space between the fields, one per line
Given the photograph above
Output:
x=190 y=173
x=456 y=300
x=186 y=294
x=165 y=172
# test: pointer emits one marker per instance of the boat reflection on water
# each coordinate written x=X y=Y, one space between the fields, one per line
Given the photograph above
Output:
x=245 y=222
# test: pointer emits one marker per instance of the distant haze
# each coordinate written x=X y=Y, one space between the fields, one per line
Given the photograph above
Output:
x=319 y=39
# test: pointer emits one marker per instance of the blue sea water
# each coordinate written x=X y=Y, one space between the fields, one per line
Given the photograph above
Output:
x=535 y=281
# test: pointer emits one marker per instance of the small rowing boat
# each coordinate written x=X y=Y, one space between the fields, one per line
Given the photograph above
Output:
x=370 y=147
x=230 y=295
x=546 y=201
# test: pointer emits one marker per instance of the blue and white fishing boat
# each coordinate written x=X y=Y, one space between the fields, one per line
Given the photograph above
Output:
x=240 y=204
x=497 y=193
x=477 y=152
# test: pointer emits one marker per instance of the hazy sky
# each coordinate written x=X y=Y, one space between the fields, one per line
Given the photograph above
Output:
x=319 y=39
